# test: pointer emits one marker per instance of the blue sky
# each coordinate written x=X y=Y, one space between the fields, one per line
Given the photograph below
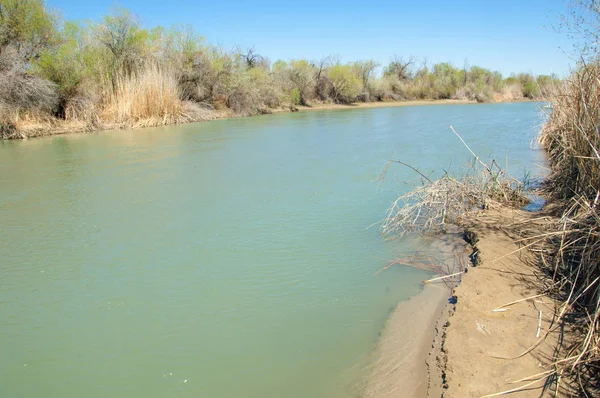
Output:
x=508 y=36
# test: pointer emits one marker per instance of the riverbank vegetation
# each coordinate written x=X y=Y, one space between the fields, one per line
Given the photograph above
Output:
x=565 y=236
x=571 y=250
x=67 y=75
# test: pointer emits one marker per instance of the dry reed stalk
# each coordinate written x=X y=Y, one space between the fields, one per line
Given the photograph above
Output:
x=568 y=248
x=148 y=98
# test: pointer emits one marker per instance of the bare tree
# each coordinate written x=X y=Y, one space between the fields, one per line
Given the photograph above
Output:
x=250 y=57
x=320 y=79
x=402 y=68
x=582 y=25
x=365 y=70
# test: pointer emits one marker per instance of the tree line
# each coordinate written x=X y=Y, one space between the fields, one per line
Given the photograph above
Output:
x=115 y=71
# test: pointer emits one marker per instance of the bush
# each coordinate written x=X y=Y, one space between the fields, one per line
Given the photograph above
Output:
x=530 y=90
x=345 y=84
x=21 y=90
x=295 y=96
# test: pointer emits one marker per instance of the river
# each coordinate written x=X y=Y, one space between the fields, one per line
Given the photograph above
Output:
x=221 y=259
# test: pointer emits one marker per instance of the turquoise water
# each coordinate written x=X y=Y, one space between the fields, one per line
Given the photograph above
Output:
x=221 y=259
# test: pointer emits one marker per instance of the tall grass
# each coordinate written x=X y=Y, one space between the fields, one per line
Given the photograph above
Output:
x=147 y=98
x=571 y=138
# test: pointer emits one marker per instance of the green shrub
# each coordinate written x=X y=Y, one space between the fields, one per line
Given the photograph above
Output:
x=346 y=85
x=530 y=90
x=295 y=96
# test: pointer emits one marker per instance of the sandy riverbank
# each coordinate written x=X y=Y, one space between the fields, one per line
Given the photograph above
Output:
x=385 y=104
x=487 y=351
x=407 y=352
x=430 y=348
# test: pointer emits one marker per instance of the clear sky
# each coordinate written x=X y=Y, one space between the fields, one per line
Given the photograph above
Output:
x=508 y=36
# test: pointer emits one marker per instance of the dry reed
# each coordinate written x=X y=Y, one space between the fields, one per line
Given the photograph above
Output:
x=148 y=98
x=571 y=254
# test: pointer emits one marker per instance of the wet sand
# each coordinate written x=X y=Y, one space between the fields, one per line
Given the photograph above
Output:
x=403 y=352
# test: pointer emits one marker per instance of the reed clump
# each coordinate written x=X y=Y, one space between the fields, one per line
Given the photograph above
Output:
x=570 y=252
x=148 y=98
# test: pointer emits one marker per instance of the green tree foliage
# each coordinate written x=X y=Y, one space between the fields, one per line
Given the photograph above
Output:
x=66 y=64
x=126 y=42
x=26 y=26
x=346 y=85
x=445 y=80
x=301 y=75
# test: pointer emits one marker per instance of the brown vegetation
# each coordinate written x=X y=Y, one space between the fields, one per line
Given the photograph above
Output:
x=571 y=251
x=435 y=204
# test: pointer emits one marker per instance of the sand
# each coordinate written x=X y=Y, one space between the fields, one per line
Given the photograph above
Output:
x=407 y=352
x=403 y=362
x=482 y=346
x=430 y=348
x=385 y=104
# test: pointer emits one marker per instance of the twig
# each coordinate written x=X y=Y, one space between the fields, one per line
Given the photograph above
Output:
x=408 y=165
x=499 y=309
x=443 y=277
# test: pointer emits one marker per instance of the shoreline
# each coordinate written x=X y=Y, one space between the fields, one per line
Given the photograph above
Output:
x=499 y=334
x=409 y=350
x=406 y=362
x=60 y=127
x=466 y=349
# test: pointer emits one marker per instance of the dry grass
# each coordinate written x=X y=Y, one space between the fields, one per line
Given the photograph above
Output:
x=510 y=92
x=571 y=137
x=149 y=98
x=570 y=247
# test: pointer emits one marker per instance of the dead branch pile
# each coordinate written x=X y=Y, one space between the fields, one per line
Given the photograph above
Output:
x=434 y=204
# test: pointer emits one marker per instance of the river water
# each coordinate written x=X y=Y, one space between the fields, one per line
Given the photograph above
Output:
x=222 y=259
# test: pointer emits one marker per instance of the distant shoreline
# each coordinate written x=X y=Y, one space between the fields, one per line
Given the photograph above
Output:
x=391 y=104
x=36 y=129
